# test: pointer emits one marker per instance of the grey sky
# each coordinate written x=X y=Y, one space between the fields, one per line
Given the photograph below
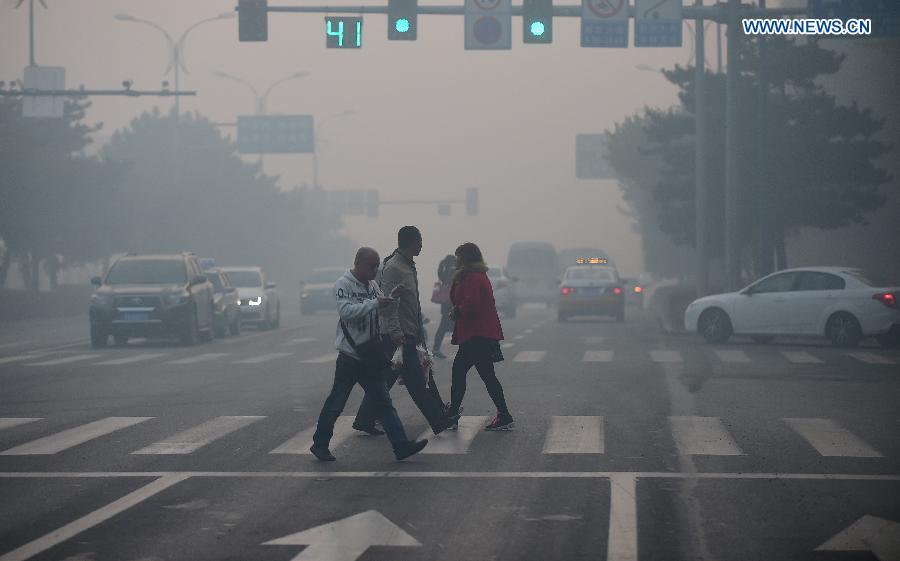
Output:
x=431 y=118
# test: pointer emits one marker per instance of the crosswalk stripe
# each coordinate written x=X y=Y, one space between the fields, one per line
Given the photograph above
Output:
x=73 y=437
x=300 y=443
x=594 y=339
x=530 y=356
x=10 y=422
x=800 y=357
x=528 y=331
x=871 y=358
x=65 y=360
x=575 y=435
x=597 y=356
x=732 y=356
x=507 y=345
x=455 y=442
x=19 y=358
x=704 y=436
x=189 y=440
x=330 y=357
x=197 y=358
x=831 y=439
x=299 y=341
x=262 y=358
x=130 y=359
x=665 y=356
x=517 y=337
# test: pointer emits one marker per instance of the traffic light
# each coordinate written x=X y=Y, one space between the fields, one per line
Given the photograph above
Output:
x=472 y=201
x=402 y=19
x=253 y=20
x=537 y=21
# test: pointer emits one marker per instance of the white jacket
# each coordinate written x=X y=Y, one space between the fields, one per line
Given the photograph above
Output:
x=357 y=306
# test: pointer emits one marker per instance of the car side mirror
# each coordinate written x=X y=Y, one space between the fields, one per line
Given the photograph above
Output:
x=96 y=281
x=199 y=279
x=271 y=285
x=230 y=290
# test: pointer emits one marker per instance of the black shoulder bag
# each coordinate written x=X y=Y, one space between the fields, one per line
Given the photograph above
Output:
x=371 y=352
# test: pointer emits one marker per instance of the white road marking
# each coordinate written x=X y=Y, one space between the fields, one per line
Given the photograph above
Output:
x=74 y=528
x=330 y=357
x=831 y=439
x=65 y=360
x=73 y=437
x=800 y=357
x=300 y=443
x=530 y=356
x=732 y=356
x=19 y=358
x=597 y=356
x=455 y=442
x=622 y=544
x=871 y=358
x=10 y=422
x=16 y=344
x=189 y=440
x=197 y=358
x=130 y=359
x=262 y=358
x=665 y=356
x=703 y=436
x=507 y=345
x=519 y=337
x=299 y=341
x=535 y=325
x=528 y=331
x=575 y=435
x=594 y=340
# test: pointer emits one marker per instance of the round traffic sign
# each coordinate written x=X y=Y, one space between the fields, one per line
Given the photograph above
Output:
x=605 y=8
x=487 y=30
x=487 y=4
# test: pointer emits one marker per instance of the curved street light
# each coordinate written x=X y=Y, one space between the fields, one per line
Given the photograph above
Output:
x=260 y=101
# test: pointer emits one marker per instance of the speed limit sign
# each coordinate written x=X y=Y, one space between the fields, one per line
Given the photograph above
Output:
x=488 y=24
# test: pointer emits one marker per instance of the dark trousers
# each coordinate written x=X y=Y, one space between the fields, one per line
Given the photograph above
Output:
x=470 y=355
x=426 y=396
x=443 y=328
x=347 y=373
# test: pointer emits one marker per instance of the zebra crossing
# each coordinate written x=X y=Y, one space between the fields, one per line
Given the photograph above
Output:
x=560 y=435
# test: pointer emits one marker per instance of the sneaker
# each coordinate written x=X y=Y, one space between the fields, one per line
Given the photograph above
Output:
x=409 y=448
x=370 y=430
x=321 y=453
x=503 y=421
x=452 y=417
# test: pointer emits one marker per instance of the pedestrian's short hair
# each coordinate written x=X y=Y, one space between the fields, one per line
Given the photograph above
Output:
x=408 y=235
x=469 y=253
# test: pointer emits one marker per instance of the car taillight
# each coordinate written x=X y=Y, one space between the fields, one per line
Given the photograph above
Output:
x=886 y=298
x=617 y=291
x=638 y=289
x=565 y=290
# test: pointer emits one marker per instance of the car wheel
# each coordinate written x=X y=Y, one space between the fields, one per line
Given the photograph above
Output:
x=98 y=338
x=715 y=326
x=120 y=340
x=236 y=325
x=277 y=322
x=843 y=329
x=763 y=339
x=191 y=334
x=221 y=331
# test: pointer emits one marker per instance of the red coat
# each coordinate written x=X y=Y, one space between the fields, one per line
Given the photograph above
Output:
x=474 y=297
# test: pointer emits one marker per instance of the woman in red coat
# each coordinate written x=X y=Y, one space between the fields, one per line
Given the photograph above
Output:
x=477 y=331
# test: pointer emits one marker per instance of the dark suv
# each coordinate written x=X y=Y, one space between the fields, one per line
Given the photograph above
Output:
x=152 y=296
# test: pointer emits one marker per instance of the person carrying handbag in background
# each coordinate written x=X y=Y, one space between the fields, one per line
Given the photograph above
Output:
x=478 y=333
x=441 y=295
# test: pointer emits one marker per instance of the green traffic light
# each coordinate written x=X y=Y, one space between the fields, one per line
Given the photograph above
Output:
x=537 y=28
x=402 y=25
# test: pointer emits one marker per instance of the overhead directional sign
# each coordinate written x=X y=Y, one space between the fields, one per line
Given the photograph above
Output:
x=488 y=24
x=347 y=539
x=604 y=23
x=657 y=23
x=885 y=14
x=275 y=134
x=590 y=157
x=44 y=78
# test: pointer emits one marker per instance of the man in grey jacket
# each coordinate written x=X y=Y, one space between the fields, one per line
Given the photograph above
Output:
x=401 y=325
x=358 y=301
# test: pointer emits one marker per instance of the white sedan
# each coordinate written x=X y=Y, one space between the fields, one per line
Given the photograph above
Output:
x=835 y=302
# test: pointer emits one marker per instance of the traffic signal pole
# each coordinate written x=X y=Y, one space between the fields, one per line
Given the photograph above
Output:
x=700 y=163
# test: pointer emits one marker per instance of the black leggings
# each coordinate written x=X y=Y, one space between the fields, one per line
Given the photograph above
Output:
x=473 y=353
x=443 y=328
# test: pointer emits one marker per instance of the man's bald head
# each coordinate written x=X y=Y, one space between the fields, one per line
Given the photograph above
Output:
x=365 y=253
x=365 y=264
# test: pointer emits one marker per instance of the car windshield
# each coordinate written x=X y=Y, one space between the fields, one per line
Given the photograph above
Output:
x=148 y=271
x=319 y=277
x=532 y=259
x=244 y=279
x=589 y=273
x=216 y=281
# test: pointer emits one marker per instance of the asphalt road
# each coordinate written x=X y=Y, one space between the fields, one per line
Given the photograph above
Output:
x=628 y=445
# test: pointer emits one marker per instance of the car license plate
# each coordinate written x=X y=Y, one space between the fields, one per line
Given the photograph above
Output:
x=592 y=290
x=137 y=316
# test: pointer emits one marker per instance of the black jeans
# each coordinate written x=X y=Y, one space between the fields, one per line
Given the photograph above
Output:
x=474 y=353
x=347 y=373
x=426 y=397
x=442 y=328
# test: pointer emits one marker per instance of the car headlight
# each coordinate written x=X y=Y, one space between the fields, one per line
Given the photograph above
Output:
x=101 y=300
x=255 y=301
x=175 y=298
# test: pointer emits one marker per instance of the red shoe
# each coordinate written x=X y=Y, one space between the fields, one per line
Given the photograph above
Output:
x=503 y=421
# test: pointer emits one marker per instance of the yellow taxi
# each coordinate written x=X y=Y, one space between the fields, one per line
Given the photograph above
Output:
x=591 y=287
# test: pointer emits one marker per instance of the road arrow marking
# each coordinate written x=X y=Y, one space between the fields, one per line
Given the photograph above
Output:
x=869 y=533
x=347 y=539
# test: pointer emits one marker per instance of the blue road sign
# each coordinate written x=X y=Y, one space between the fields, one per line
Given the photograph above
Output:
x=885 y=14
x=604 y=23
x=275 y=134
x=657 y=23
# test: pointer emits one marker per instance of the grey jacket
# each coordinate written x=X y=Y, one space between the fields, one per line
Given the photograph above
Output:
x=403 y=318
x=357 y=306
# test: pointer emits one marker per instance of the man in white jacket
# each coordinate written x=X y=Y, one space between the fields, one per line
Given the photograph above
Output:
x=358 y=301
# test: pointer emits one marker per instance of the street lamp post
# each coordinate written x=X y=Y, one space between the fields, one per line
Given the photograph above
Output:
x=176 y=48
x=260 y=101
x=345 y=113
